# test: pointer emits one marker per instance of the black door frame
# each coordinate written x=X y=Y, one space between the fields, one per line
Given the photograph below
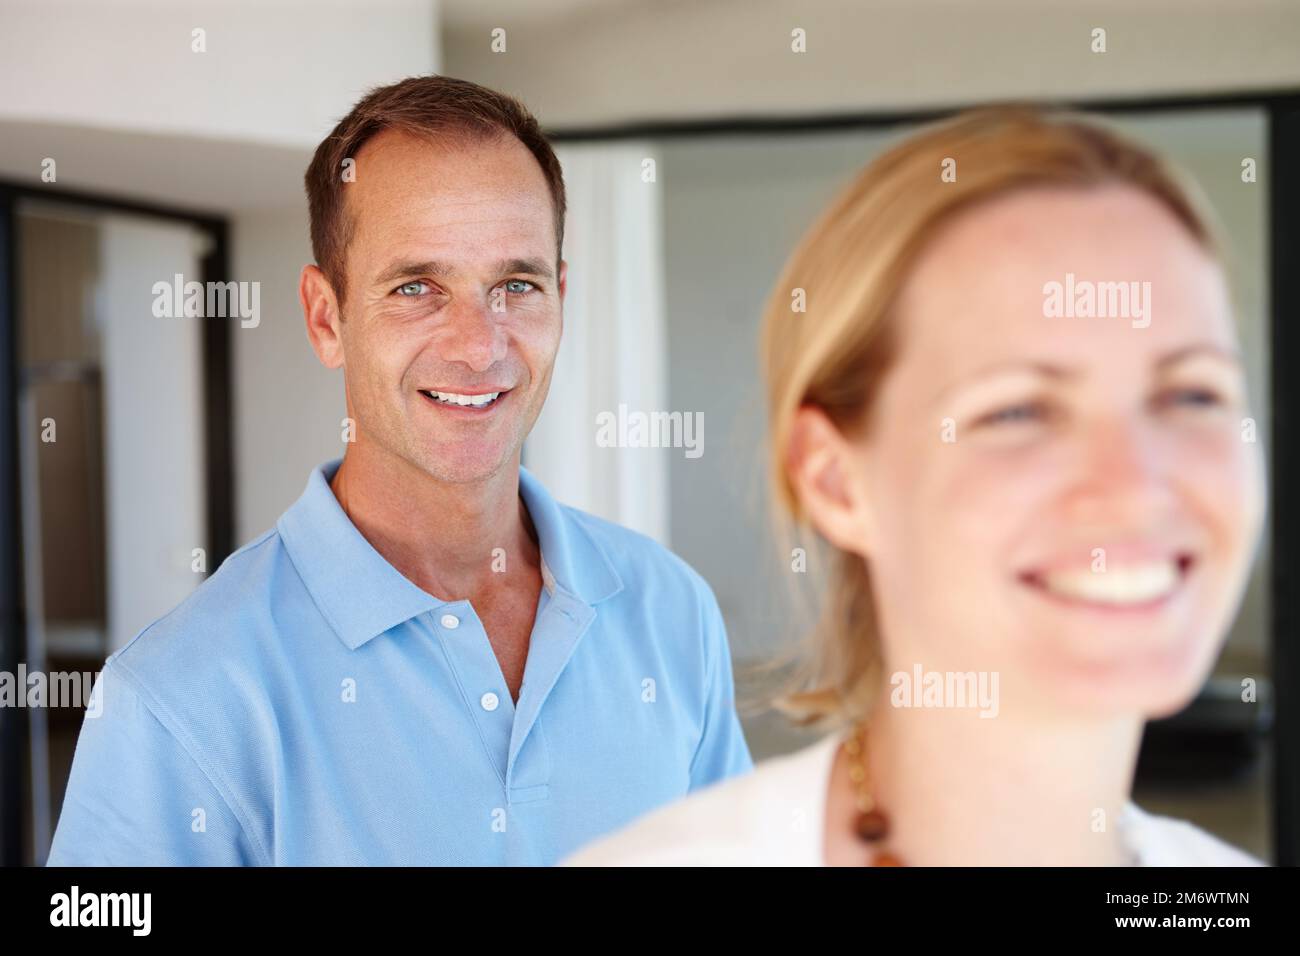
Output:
x=218 y=449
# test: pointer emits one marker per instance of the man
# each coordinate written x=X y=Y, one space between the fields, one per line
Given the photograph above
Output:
x=427 y=660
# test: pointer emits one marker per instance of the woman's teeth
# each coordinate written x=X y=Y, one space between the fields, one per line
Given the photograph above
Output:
x=471 y=401
x=1131 y=584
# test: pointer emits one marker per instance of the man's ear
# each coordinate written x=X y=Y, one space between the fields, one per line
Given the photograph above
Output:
x=826 y=472
x=320 y=309
x=563 y=281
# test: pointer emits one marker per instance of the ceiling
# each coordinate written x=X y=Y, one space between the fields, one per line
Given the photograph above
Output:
x=200 y=175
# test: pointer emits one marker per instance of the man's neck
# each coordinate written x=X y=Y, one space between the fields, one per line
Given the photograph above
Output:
x=442 y=536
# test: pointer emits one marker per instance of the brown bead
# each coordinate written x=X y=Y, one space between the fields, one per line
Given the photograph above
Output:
x=872 y=825
x=886 y=859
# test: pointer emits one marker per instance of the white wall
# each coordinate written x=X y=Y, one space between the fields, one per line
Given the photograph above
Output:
x=287 y=406
x=614 y=348
x=733 y=211
x=602 y=62
x=155 y=492
x=274 y=71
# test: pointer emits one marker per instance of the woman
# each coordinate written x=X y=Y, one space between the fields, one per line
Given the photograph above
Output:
x=1014 y=408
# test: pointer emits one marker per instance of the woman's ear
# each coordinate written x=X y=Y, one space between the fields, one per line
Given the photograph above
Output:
x=827 y=474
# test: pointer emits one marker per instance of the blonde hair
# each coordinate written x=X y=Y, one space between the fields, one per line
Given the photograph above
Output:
x=850 y=266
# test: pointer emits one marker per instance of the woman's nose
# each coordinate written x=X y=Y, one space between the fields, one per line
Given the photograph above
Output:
x=1123 y=477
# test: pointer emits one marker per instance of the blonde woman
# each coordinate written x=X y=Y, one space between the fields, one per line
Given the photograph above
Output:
x=1013 y=409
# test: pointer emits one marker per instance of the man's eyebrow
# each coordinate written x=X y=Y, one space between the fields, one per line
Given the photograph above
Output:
x=437 y=269
x=406 y=269
x=542 y=268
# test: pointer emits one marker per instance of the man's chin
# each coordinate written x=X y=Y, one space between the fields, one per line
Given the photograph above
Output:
x=464 y=466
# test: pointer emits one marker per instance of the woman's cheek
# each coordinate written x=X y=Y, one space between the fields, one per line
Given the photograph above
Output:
x=993 y=493
x=1222 y=474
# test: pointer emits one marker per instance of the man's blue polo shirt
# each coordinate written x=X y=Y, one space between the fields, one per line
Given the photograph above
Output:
x=310 y=705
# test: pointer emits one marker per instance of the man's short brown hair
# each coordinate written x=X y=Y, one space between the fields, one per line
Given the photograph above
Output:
x=428 y=106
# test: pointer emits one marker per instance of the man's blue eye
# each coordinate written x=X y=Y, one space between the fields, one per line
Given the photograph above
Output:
x=410 y=288
x=518 y=286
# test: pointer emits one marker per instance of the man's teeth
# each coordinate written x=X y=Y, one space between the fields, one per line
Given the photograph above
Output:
x=475 y=401
x=1132 y=584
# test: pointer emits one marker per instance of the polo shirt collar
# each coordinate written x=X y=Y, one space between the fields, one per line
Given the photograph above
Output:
x=361 y=595
x=577 y=563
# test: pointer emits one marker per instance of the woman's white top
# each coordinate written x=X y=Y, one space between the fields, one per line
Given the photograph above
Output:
x=774 y=816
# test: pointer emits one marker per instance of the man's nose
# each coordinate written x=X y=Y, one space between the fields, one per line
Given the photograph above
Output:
x=472 y=334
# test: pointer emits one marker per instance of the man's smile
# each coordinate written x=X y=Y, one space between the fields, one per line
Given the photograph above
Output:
x=474 y=402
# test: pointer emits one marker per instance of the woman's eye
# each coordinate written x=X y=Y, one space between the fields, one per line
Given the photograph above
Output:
x=518 y=286
x=410 y=289
x=1191 y=398
x=1013 y=415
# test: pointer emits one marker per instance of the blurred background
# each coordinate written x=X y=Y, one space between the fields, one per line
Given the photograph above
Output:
x=144 y=140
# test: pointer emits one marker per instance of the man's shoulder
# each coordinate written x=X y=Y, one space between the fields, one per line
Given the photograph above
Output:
x=212 y=624
x=640 y=560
